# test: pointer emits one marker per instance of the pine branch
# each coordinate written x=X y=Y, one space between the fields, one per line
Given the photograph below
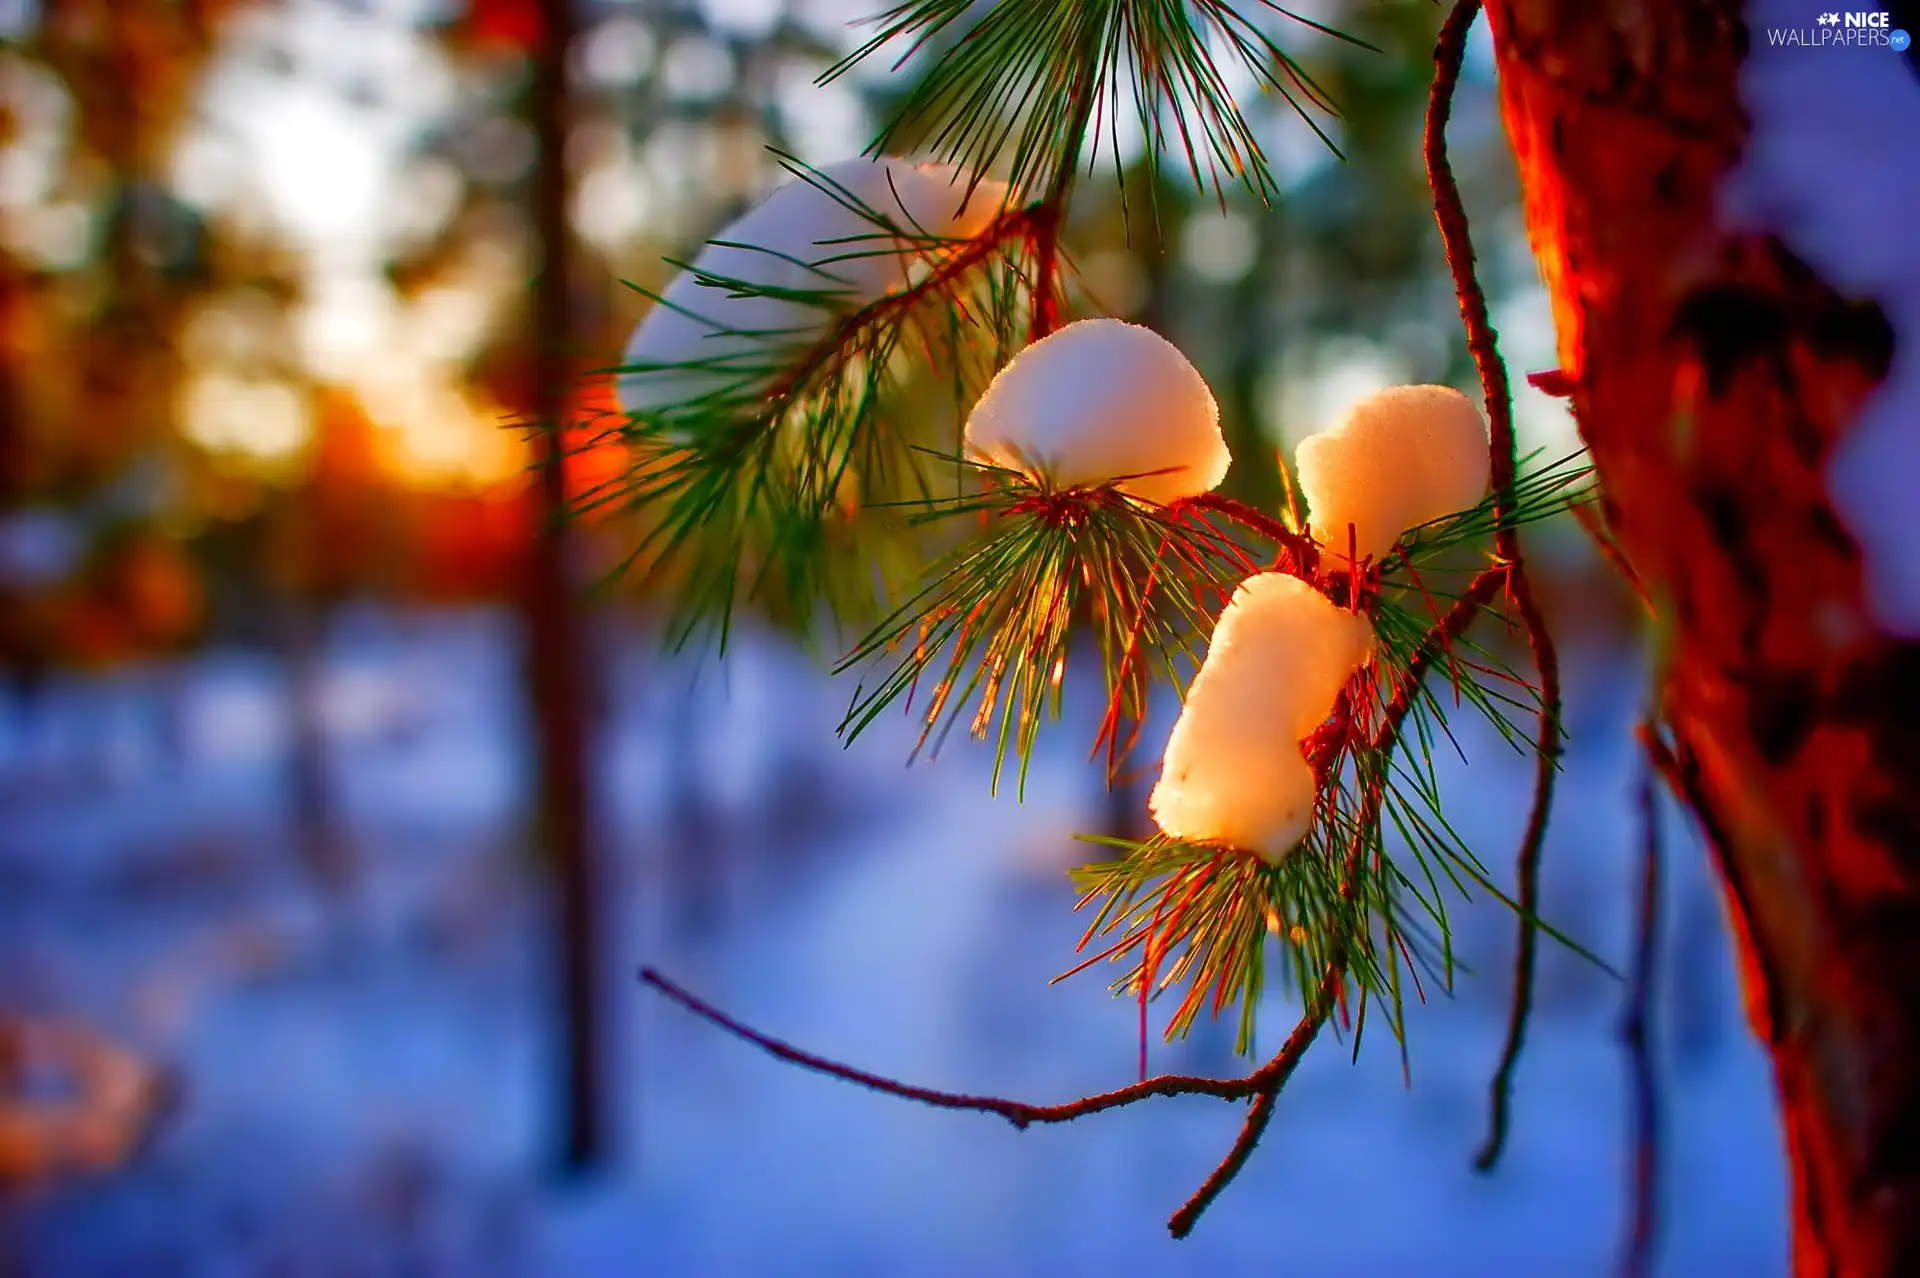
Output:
x=1450 y=213
x=1281 y=1066
x=783 y=438
x=1270 y=1076
x=994 y=617
x=761 y=484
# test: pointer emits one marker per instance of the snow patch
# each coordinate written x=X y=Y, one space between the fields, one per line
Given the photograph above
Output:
x=1104 y=400
x=1279 y=656
x=1401 y=457
x=1833 y=168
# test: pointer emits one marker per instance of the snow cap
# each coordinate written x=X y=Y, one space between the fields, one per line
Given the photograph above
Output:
x=1100 y=400
x=1401 y=457
x=809 y=235
x=1234 y=771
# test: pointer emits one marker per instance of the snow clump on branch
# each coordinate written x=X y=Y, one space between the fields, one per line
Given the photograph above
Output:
x=852 y=232
x=1280 y=655
x=1401 y=457
x=1103 y=401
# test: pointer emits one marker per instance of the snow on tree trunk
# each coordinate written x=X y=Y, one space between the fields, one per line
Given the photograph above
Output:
x=1400 y=457
x=1281 y=652
x=1715 y=376
x=1833 y=167
x=1104 y=400
x=851 y=233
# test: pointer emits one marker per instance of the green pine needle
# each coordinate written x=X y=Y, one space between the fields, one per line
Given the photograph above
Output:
x=1538 y=494
x=991 y=625
x=1046 y=74
x=771 y=481
x=1204 y=916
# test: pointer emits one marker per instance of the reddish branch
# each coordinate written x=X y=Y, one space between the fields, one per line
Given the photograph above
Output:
x=1019 y=1113
x=1046 y=270
x=1483 y=342
x=948 y=264
x=1305 y=552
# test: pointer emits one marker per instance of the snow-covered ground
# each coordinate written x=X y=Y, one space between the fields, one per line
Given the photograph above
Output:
x=365 y=1080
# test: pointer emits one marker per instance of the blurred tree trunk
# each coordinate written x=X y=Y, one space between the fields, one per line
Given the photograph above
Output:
x=1712 y=374
x=1253 y=347
x=551 y=601
x=700 y=850
x=318 y=838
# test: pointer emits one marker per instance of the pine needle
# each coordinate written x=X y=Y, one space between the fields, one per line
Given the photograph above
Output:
x=994 y=618
x=773 y=483
x=1022 y=80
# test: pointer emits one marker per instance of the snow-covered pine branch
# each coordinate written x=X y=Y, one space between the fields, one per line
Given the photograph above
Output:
x=770 y=284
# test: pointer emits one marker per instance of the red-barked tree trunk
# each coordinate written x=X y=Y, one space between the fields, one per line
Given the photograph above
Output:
x=1712 y=374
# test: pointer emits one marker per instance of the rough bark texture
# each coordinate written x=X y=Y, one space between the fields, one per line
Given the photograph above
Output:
x=1712 y=374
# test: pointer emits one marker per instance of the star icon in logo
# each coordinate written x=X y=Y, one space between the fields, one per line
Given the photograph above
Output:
x=1829 y=19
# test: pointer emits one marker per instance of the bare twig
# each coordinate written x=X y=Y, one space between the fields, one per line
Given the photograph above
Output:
x=1527 y=871
x=1766 y=1009
x=1259 y=1114
x=1635 y=1030
x=1019 y=1113
x=1483 y=342
x=1302 y=548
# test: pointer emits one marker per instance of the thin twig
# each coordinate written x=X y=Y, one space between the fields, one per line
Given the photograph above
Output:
x=1527 y=874
x=1766 y=1009
x=1259 y=1114
x=1019 y=1113
x=1046 y=315
x=1304 y=549
x=1644 y=1187
x=1450 y=212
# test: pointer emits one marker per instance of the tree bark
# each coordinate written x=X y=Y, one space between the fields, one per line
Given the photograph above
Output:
x=1712 y=374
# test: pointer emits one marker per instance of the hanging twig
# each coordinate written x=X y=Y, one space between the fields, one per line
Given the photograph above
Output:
x=1635 y=1030
x=1019 y=1113
x=1483 y=342
x=1259 y=1114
